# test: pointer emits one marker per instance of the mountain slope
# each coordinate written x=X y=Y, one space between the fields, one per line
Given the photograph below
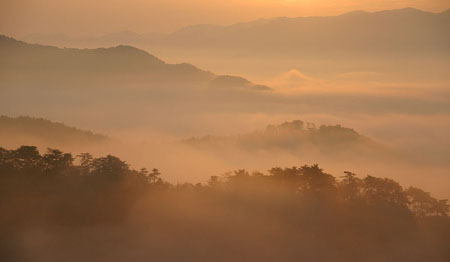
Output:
x=121 y=65
x=404 y=32
x=21 y=57
x=24 y=130
x=295 y=137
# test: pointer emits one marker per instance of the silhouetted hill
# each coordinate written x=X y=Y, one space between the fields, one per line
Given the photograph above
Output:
x=47 y=65
x=20 y=57
x=22 y=130
x=296 y=137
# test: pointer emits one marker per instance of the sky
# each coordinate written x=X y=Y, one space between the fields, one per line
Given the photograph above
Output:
x=86 y=17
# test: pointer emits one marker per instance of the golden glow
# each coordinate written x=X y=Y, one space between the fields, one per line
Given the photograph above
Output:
x=86 y=17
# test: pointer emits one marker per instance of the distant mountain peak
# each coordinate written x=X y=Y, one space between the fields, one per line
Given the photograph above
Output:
x=129 y=50
x=406 y=10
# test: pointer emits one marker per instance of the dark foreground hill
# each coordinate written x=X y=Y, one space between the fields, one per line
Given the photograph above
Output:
x=98 y=209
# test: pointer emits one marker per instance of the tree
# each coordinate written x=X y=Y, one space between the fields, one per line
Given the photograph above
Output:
x=213 y=181
x=422 y=204
x=350 y=187
x=55 y=161
x=86 y=161
x=154 y=176
x=109 y=166
x=384 y=192
x=315 y=181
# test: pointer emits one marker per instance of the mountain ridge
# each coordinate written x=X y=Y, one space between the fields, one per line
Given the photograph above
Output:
x=20 y=57
x=406 y=32
x=255 y=21
x=296 y=137
x=26 y=129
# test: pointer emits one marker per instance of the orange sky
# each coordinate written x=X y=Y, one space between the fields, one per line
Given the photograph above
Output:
x=96 y=17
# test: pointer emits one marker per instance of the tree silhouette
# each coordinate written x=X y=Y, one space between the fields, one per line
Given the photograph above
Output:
x=351 y=216
x=422 y=204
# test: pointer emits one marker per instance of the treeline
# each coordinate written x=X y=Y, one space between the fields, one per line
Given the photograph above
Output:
x=52 y=188
x=287 y=214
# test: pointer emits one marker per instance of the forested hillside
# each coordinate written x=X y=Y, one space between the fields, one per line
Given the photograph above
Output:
x=54 y=202
x=45 y=133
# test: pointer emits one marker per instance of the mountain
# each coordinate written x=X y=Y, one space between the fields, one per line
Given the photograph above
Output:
x=32 y=59
x=24 y=130
x=295 y=137
x=126 y=37
x=404 y=32
x=48 y=65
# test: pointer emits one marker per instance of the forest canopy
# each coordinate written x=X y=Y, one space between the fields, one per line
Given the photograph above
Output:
x=237 y=208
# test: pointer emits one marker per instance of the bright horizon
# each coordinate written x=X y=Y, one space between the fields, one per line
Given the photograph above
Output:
x=85 y=18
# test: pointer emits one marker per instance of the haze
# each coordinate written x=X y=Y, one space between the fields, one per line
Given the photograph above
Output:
x=224 y=131
x=84 y=17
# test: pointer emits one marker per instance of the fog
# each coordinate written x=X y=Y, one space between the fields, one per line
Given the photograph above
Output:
x=411 y=147
x=101 y=209
x=231 y=119
x=147 y=119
